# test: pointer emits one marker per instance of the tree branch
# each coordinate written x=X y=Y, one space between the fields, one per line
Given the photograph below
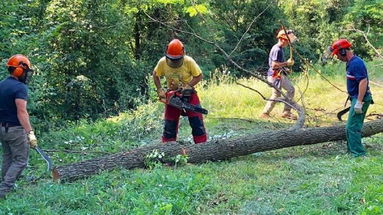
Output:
x=367 y=40
x=299 y=123
x=248 y=28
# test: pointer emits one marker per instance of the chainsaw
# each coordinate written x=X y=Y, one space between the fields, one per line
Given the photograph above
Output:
x=180 y=100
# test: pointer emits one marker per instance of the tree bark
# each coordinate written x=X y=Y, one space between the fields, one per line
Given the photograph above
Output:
x=213 y=150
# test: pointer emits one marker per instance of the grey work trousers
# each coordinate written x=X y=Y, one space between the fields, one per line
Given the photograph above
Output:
x=285 y=84
x=15 y=155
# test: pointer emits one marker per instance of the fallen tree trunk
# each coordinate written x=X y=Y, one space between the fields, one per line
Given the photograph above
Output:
x=213 y=150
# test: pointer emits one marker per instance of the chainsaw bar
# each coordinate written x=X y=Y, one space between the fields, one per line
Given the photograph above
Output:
x=178 y=103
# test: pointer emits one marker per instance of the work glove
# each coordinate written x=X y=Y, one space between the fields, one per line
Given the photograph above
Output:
x=290 y=62
x=358 y=107
x=32 y=139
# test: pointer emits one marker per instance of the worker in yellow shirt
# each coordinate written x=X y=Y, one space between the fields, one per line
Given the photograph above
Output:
x=181 y=72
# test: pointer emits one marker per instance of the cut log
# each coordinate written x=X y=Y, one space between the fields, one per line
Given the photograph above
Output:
x=213 y=150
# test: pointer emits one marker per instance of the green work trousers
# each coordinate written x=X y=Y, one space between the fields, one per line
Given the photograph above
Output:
x=354 y=127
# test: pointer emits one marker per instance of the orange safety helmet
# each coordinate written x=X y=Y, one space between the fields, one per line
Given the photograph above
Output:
x=290 y=35
x=175 y=50
x=20 y=63
x=340 y=45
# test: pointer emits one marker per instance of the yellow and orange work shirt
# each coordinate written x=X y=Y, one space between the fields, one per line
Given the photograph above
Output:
x=178 y=76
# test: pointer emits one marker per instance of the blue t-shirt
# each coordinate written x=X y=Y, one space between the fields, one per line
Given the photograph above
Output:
x=276 y=54
x=356 y=71
x=11 y=89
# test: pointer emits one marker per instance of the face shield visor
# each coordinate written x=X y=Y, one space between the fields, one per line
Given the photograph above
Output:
x=175 y=63
x=287 y=35
x=292 y=36
x=27 y=76
x=328 y=54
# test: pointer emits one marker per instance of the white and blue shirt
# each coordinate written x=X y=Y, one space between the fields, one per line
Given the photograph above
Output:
x=276 y=54
x=356 y=71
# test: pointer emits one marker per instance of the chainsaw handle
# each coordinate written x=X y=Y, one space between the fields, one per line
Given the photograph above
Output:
x=169 y=94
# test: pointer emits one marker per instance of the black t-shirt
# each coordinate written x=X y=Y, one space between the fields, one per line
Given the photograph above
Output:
x=11 y=89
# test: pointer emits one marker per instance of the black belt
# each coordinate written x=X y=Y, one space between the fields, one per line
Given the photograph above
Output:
x=8 y=124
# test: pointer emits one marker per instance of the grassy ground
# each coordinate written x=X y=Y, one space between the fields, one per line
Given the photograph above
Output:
x=317 y=179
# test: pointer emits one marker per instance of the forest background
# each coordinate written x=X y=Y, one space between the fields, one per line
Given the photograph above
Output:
x=94 y=58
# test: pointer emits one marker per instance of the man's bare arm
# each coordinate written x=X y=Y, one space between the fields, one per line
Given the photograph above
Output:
x=362 y=89
x=278 y=65
x=156 y=80
x=22 y=114
x=195 y=80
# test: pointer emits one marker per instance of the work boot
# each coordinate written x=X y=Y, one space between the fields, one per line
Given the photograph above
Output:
x=265 y=116
x=3 y=193
x=288 y=115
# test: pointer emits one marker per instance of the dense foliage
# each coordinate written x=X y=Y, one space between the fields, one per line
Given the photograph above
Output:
x=93 y=57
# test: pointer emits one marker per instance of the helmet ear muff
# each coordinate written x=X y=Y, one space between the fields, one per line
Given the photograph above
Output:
x=18 y=65
x=342 y=52
x=18 y=72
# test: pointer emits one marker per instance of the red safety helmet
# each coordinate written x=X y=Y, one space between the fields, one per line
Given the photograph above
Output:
x=338 y=45
x=20 y=63
x=175 y=50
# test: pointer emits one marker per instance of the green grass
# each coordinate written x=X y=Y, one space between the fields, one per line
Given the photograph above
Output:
x=316 y=179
